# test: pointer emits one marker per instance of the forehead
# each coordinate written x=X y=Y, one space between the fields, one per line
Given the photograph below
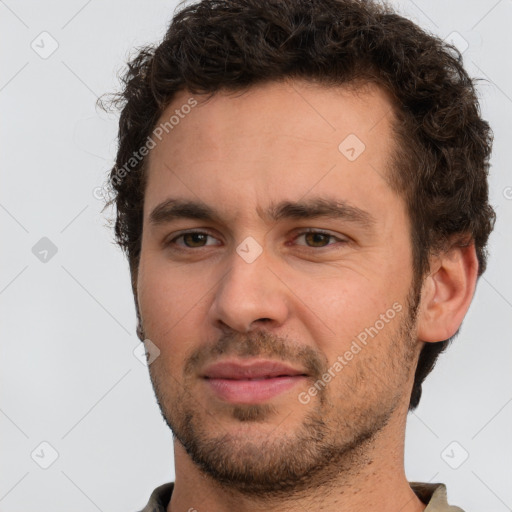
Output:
x=273 y=142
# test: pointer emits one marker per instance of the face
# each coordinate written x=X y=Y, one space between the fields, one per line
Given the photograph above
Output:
x=275 y=279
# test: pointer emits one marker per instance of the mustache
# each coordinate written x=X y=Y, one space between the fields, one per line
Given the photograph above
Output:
x=258 y=344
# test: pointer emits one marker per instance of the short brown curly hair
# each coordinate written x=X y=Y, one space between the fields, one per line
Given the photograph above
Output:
x=444 y=146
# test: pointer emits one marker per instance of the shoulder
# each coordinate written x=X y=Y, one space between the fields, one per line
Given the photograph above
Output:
x=159 y=498
x=434 y=496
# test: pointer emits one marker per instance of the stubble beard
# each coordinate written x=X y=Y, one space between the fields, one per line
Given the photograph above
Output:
x=333 y=440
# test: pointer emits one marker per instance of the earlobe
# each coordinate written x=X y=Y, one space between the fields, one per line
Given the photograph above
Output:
x=447 y=293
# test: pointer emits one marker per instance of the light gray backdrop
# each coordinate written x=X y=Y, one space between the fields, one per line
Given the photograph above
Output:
x=74 y=398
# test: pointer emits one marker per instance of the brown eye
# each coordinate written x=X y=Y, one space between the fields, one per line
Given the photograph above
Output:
x=317 y=239
x=195 y=239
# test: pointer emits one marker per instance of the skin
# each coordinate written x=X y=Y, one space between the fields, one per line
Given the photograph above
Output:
x=303 y=300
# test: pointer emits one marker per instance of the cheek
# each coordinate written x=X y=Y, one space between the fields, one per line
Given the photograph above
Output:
x=338 y=309
x=166 y=292
x=169 y=302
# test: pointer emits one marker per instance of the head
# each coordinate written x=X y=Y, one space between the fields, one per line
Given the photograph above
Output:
x=257 y=119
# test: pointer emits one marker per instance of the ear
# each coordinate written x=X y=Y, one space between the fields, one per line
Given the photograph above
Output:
x=447 y=293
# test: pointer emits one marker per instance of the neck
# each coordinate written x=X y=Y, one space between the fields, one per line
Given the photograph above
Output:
x=378 y=483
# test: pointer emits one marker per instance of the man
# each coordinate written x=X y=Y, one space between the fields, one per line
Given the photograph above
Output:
x=301 y=191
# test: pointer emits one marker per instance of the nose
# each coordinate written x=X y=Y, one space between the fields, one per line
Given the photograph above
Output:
x=250 y=293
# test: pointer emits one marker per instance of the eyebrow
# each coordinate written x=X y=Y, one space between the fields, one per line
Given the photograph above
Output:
x=172 y=209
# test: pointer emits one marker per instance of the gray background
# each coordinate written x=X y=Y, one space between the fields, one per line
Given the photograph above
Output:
x=68 y=374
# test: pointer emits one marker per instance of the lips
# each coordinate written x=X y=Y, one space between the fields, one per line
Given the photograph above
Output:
x=251 y=370
x=251 y=382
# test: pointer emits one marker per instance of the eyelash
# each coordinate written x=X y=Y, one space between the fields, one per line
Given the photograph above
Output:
x=301 y=233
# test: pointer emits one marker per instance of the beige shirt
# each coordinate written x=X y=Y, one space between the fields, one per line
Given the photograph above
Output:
x=433 y=495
